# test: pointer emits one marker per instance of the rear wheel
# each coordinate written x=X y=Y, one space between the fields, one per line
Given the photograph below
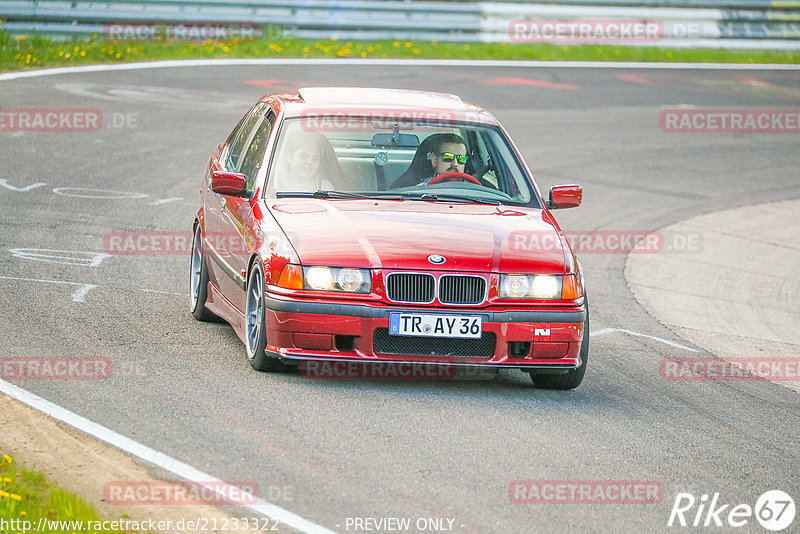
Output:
x=572 y=378
x=198 y=279
x=255 y=325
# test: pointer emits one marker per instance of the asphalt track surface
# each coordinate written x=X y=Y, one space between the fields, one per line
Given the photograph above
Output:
x=399 y=449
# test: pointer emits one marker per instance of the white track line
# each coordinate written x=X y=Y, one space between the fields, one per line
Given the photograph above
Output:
x=605 y=331
x=154 y=457
x=394 y=63
x=79 y=295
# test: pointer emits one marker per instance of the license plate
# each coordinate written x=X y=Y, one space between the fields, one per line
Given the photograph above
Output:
x=423 y=324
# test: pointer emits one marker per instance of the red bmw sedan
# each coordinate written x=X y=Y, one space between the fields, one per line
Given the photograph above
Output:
x=387 y=226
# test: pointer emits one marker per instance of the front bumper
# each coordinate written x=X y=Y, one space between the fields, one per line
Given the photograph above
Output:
x=325 y=331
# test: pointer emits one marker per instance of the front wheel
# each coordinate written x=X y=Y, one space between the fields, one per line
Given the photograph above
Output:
x=572 y=378
x=198 y=279
x=255 y=325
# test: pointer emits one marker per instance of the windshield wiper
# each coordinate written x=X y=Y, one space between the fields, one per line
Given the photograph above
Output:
x=388 y=195
x=337 y=194
x=450 y=198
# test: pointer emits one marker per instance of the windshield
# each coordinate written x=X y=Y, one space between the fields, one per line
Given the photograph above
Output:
x=396 y=158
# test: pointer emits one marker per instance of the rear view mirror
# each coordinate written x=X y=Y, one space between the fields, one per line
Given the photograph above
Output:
x=395 y=140
x=565 y=196
x=229 y=183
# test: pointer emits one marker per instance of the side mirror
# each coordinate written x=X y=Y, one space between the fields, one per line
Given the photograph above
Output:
x=565 y=196
x=229 y=183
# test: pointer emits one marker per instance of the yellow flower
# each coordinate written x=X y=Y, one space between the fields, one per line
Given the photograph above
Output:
x=83 y=53
x=275 y=47
x=23 y=513
x=396 y=44
x=6 y=480
x=363 y=54
x=334 y=38
x=4 y=493
x=370 y=49
x=669 y=54
x=466 y=47
x=14 y=496
x=408 y=44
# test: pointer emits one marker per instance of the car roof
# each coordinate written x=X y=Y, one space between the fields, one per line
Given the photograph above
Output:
x=363 y=100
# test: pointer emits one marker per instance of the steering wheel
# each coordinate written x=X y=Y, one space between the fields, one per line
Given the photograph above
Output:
x=454 y=177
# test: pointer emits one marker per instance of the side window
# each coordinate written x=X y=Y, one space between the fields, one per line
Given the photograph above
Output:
x=239 y=138
x=251 y=162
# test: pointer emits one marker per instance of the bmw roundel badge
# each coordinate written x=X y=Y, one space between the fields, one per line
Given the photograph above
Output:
x=436 y=259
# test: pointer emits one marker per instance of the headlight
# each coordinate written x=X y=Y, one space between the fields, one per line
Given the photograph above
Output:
x=546 y=287
x=350 y=279
x=531 y=286
x=515 y=286
x=319 y=278
x=337 y=279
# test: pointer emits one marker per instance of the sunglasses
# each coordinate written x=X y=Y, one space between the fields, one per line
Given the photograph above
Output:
x=449 y=156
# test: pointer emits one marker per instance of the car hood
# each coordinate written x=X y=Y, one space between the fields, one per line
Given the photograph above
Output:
x=393 y=234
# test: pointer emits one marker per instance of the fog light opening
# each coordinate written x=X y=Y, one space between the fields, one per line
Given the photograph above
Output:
x=519 y=349
x=345 y=343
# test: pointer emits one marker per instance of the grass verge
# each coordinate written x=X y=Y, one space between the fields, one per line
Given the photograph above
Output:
x=27 y=52
x=27 y=495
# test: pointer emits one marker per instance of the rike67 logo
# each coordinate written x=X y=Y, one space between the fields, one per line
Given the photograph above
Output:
x=774 y=510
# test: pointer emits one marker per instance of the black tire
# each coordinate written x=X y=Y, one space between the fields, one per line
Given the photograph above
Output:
x=198 y=279
x=572 y=378
x=255 y=332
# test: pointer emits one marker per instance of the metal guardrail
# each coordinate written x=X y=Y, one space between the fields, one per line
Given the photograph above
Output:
x=722 y=23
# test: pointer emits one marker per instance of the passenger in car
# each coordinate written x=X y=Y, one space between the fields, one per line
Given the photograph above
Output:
x=437 y=154
x=310 y=164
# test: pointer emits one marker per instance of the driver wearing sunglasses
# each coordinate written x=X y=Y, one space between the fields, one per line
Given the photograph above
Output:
x=449 y=155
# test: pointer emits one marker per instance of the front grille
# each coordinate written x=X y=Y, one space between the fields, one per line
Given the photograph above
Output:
x=385 y=343
x=409 y=287
x=461 y=289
